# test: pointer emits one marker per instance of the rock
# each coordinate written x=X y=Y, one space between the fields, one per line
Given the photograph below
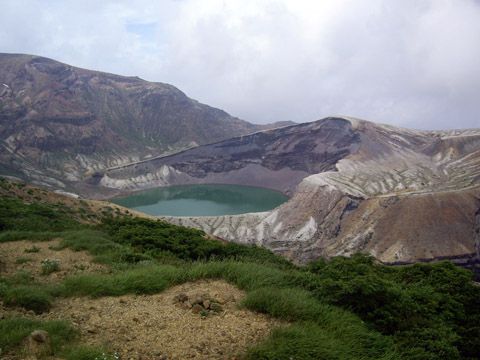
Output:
x=206 y=304
x=197 y=308
x=40 y=336
x=198 y=300
x=216 y=307
x=185 y=305
x=182 y=297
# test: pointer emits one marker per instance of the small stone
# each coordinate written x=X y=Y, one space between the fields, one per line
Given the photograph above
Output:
x=206 y=304
x=39 y=336
x=197 y=308
x=185 y=305
x=216 y=307
x=197 y=300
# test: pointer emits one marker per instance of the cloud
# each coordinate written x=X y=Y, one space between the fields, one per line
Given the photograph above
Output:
x=411 y=63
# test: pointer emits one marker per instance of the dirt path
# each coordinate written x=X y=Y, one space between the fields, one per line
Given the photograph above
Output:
x=158 y=327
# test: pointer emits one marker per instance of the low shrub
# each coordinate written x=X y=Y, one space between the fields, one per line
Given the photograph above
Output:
x=50 y=266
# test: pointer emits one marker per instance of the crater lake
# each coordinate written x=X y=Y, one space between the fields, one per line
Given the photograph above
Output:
x=202 y=200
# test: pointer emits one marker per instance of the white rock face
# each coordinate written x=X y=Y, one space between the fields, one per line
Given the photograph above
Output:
x=161 y=177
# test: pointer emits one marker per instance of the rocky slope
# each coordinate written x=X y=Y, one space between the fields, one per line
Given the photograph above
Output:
x=59 y=123
x=399 y=194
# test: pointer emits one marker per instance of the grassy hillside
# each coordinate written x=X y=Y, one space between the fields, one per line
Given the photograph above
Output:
x=344 y=308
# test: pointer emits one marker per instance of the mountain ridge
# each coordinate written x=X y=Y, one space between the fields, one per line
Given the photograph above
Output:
x=67 y=121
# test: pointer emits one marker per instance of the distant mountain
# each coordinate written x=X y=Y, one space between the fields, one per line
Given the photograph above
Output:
x=401 y=195
x=58 y=122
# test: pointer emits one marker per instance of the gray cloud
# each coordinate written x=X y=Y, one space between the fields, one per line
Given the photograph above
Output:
x=411 y=63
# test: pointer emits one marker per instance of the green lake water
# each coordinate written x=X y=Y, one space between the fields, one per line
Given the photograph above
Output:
x=203 y=200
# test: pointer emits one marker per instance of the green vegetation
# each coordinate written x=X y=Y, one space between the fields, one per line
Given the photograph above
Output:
x=20 y=290
x=22 y=260
x=63 y=338
x=344 y=308
x=37 y=217
x=49 y=266
x=14 y=330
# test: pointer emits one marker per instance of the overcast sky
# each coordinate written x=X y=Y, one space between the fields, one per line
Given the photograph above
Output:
x=413 y=63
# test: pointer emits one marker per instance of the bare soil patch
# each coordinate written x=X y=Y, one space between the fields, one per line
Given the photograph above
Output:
x=159 y=327
x=28 y=256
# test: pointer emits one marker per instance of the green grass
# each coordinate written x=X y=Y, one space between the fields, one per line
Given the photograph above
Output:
x=30 y=297
x=14 y=330
x=63 y=338
x=345 y=308
x=22 y=260
x=310 y=341
x=87 y=353
x=14 y=215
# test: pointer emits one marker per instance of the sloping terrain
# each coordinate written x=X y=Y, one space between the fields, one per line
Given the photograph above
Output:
x=130 y=287
x=398 y=194
x=59 y=123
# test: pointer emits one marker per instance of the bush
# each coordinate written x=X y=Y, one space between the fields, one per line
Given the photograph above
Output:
x=309 y=341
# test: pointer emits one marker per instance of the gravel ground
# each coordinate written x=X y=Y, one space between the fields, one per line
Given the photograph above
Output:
x=156 y=327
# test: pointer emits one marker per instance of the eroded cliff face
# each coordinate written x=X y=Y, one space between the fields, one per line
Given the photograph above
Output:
x=400 y=195
x=279 y=159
